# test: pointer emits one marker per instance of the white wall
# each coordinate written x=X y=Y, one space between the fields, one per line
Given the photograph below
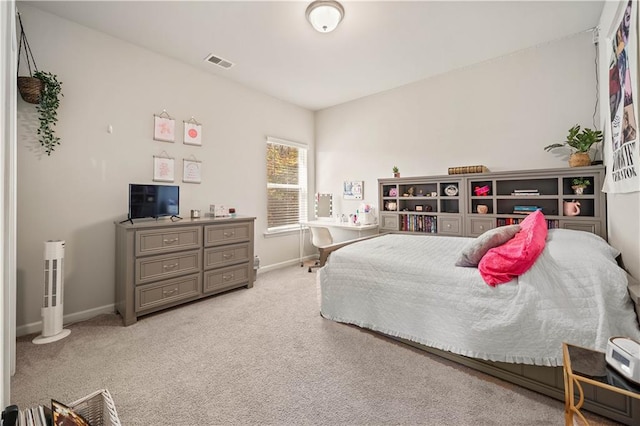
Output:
x=624 y=209
x=78 y=192
x=499 y=113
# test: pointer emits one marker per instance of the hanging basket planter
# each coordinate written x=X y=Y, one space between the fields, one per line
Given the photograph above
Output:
x=30 y=89
x=44 y=90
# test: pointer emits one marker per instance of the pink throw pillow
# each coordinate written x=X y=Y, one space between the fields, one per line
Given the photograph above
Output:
x=503 y=263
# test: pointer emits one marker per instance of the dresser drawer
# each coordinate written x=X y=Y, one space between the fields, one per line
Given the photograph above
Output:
x=165 y=266
x=217 y=257
x=478 y=226
x=450 y=225
x=215 y=235
x=223 y=279
x=167 y=292
x=158 y=241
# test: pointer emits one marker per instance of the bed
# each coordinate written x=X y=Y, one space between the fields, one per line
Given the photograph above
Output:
x=408 y=287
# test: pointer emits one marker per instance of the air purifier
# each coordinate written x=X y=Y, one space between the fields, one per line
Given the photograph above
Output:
x=52 y=306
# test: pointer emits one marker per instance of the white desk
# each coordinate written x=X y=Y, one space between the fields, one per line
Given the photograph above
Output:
x=340 y=231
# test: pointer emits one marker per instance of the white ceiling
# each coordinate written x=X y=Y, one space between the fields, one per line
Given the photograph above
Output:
x=378 y=46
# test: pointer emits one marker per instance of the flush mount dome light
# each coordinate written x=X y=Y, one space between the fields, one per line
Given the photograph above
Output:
x=325 y=15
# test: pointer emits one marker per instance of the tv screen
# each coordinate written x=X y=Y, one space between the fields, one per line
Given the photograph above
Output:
x=153 y=200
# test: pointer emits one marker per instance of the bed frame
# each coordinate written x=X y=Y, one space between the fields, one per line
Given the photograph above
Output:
x=549 y=380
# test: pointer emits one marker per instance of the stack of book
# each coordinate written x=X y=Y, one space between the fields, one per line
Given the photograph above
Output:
x=525 y=209
x=525 y=192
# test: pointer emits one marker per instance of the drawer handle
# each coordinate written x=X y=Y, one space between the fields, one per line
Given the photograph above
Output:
x=448 y=225
x=229 y=234
x=171 y=241
x=227 y=277
x=170 y=266
x=482 y=227
x=166 y=293
x=227 y=256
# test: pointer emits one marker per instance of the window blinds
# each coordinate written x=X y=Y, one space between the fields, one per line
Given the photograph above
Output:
x=286 y=184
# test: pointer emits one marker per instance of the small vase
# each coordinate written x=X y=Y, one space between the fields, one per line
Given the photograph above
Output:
x=578 y=190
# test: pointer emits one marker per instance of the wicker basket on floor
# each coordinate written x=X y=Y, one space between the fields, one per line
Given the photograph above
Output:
x=97 y=408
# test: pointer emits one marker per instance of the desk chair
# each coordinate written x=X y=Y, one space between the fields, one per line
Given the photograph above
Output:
x=321 y=238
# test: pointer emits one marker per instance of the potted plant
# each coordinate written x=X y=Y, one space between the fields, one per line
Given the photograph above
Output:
x=580 y=142
x=396 y=171
x=48 y=110
x=579 y=184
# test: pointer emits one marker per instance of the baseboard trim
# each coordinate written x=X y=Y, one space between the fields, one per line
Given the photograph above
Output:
x=36 y=327
x=292 y=262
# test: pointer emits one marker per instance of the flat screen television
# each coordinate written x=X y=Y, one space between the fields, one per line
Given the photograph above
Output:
x=153 y=201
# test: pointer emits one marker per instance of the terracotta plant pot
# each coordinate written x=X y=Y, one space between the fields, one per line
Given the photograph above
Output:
x=579 y=159
x=395 y=175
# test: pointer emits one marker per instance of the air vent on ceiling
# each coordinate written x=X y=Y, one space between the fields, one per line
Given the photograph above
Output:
x=216 y=60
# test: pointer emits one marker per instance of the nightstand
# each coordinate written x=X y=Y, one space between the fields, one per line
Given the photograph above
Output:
x=589 y=366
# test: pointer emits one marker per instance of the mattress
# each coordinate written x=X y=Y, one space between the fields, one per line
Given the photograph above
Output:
x=408 y=286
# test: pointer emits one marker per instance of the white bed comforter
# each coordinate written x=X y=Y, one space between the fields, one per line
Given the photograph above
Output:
x=407 y=286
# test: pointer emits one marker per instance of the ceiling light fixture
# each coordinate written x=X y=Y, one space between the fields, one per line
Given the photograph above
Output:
x=325 y=15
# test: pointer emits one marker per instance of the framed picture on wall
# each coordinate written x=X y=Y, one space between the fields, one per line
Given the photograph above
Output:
x=191 y=171
x=164 y=127
x=163 y=169
x=192 y=132
x=353 y=189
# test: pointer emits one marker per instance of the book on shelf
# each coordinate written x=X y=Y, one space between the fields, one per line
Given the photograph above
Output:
x=525 y=192
x=526 y=208
x=467 y=169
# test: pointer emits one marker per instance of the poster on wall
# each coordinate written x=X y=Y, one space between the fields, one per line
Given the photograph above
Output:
x=191 y=171
x=164 y=127
x=192 y=132
x=162 y=168
x=621 y=142
x=352 y=189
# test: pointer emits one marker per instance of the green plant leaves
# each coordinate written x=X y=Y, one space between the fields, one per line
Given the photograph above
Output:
x=48 y=110
x=579 y=141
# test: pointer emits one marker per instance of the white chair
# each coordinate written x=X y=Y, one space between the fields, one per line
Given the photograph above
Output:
x=321 y=238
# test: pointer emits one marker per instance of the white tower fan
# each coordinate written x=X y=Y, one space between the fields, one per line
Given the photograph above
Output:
x=52 y=308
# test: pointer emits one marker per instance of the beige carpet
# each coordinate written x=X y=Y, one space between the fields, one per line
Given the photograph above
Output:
x=265 y=356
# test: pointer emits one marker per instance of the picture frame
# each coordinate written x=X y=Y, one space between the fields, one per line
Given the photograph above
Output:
x=419 y=208
x=353 y=189
x=192 y=132
x=191 y=171
x=164 y=127
x=163 y=170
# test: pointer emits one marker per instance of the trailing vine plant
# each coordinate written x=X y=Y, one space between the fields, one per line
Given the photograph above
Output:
x=48 y=110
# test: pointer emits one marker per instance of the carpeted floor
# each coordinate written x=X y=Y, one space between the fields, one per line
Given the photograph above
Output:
x=266 y=356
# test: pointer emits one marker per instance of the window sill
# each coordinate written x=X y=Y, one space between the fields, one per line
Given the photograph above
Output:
x=282 y=232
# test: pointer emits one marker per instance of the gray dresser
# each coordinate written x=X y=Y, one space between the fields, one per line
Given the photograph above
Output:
x=160 y=264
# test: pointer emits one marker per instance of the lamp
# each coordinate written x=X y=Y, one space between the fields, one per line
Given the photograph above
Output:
x=325 y=15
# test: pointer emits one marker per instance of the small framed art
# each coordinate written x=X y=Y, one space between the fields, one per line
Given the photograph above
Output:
x=419 y=208
x=192 y=132
x=163 y=169
x=164 y=127
x=191 y=172
x=353 y=190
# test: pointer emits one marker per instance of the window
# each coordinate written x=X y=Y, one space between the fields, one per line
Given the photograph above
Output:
x=286 y=184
